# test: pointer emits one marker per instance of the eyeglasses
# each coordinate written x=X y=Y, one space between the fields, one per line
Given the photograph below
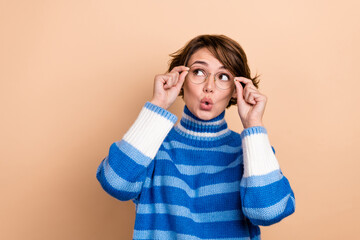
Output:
x=198 y=75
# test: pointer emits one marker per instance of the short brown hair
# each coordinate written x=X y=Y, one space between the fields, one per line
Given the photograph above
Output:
x=225 y=49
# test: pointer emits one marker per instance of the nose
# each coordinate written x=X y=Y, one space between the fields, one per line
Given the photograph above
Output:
x=209 y=84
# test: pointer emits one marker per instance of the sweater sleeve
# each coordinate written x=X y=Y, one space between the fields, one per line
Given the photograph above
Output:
x=266 y=194
x=123 y=171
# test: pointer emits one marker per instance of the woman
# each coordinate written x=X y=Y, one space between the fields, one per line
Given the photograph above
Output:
x=199 y=179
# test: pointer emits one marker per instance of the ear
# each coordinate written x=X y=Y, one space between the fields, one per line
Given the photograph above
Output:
x=234 y=94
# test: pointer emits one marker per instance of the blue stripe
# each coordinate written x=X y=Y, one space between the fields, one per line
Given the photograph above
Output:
x=211 y=189
x=201 y=138
x=118 y=194
x=115 y=185
x=189 y=125
x=125 y=166
x=231 y=138
x=161 y=111
x=117 y=182
x=181 y=211
x=204 y=158
x=196 y=181
x=206 y=169
x=265 y=196
x=132 y=153
x=221 y=149
x=262 y=180
x=163 y=155
x=290 y=208
x=176 y=196
x=198 y=169
x=253 y=130
x=200 y=158
x=183 y=225
x=269 y=213
x=166 y=235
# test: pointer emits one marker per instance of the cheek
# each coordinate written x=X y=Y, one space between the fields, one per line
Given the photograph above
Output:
x=227 y=95
x=190 y=91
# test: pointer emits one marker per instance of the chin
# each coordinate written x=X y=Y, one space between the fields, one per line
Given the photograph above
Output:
x=205 y=115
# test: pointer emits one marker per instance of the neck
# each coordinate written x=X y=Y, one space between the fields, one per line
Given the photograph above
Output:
x=195 y=128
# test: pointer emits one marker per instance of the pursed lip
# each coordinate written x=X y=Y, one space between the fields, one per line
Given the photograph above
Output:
x=206 y=100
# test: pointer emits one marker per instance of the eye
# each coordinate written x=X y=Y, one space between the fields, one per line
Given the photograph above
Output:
x=224 y=77
x=199 y=72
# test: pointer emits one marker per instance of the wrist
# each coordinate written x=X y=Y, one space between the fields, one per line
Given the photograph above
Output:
x=249 y=125
x=157 y=103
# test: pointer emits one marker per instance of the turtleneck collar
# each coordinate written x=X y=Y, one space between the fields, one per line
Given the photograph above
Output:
x=195 y=128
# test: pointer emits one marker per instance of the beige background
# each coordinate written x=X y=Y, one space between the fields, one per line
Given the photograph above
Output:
x=75 y=74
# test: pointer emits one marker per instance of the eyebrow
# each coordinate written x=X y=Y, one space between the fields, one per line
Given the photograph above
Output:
x=206 y=64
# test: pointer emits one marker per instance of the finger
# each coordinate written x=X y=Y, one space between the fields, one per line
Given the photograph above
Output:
x=239 y=92
x=252 y=87
x=170 y=79
x=244 y=80
x=167 y=81
x=237 y=80
x=256 y=97
x=181 y=79
x=179 y=69
x=245 y=94
x=159 y=82
x=251 y=98
x=174 y=78
x=248 y=91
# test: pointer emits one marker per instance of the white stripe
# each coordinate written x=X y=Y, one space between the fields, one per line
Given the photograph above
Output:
x=259 y=158
x=202 y=134
x=219 y=122
x=148 y=132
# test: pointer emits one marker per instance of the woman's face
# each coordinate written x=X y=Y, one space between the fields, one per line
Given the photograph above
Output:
x=206 y=100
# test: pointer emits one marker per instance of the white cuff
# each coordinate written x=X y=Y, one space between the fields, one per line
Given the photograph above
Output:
x=259 y=157
x=150 y=129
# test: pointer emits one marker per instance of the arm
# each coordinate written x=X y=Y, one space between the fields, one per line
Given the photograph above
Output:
x=123 y=172
x=266 y=194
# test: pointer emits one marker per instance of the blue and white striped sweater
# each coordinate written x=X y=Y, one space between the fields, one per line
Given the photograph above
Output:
x=196 y=180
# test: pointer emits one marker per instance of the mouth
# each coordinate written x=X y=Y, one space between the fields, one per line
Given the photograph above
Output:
x=206 y=100
x=206 y=104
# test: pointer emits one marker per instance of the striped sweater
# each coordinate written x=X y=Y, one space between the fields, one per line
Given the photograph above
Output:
x=196 y=180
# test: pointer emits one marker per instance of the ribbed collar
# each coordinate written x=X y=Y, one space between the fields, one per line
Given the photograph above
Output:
x=195 y=128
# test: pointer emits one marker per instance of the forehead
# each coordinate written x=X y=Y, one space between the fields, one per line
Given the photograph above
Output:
x=204 y=55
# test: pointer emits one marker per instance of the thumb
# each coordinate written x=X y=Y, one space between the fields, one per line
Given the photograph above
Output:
x=182 y=78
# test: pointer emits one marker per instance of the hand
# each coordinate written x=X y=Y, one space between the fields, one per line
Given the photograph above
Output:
x=167 y=86
x=250 y=102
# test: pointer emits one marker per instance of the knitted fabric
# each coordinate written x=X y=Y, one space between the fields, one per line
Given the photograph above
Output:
x=196 y=180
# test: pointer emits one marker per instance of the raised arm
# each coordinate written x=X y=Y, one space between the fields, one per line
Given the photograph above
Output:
x=130 y=160
x=266 y=194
